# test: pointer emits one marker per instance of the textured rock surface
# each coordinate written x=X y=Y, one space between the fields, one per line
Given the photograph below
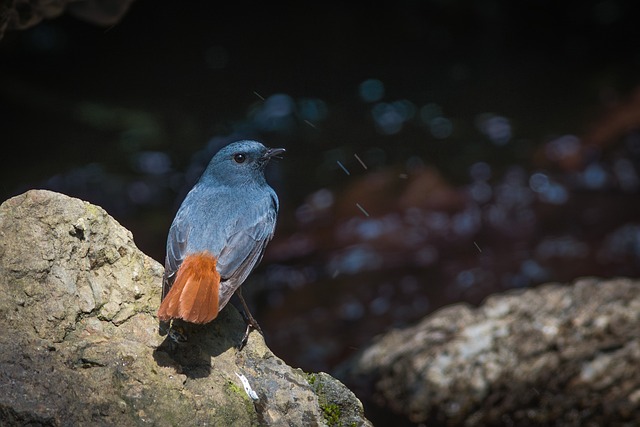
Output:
x=556 y=355
x=79 y=342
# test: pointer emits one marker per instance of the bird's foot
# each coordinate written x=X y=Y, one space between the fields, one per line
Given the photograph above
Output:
x=251 y=324
x=177 y=333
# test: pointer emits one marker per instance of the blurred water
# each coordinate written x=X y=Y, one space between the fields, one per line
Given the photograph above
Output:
x=435 y=152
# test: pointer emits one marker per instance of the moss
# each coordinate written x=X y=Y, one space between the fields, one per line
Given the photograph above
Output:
x=235 y=388
x=332 y=414
x=311 y=379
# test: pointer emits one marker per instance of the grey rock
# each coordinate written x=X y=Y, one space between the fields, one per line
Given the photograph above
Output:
x=80 y=343
x=559 y=354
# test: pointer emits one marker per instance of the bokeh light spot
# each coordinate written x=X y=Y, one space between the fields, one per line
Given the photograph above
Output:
x=562 y=147
x=312 y=109
x=387 y=118
x=594 y=176
x=371 y=90
x=275 y=113
x=480 y=171
x=496 y=128
x=153 y=162
x=548 y=190
x=441 y=128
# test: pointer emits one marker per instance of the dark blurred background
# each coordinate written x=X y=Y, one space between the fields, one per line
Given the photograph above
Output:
x=437 y=151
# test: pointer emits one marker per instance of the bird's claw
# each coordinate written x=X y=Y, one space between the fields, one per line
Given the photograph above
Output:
x=245 y=337
x=177 y=334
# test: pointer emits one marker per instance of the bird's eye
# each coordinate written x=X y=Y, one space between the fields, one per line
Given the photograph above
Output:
x=239 y=158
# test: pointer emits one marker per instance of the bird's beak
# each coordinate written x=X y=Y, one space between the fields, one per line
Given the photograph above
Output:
x=273 y=152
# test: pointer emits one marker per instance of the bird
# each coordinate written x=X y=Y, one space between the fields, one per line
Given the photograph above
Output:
x=219 y=235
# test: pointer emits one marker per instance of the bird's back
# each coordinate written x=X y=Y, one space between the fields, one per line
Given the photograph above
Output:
x=232 y=226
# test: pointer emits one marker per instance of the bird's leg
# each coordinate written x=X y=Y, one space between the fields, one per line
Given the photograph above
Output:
x=248 y=318
x=174 y=330
x=177 y=333
x=163 y=327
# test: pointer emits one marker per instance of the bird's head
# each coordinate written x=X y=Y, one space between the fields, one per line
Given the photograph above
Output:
x=241 y=161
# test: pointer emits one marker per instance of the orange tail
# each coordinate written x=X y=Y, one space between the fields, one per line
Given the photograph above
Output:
x=194 y=294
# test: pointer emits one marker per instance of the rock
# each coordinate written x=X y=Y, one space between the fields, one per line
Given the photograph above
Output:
x=23 y=14
x=80 y=342
x=565 y=355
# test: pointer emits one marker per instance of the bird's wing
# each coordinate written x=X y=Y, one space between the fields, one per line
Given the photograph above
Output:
x=176 y=248
x=247 y=242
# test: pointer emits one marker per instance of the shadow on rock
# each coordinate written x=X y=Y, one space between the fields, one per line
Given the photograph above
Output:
x=192 y=352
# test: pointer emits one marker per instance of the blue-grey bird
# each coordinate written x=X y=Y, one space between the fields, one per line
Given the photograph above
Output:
x=219 y=234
